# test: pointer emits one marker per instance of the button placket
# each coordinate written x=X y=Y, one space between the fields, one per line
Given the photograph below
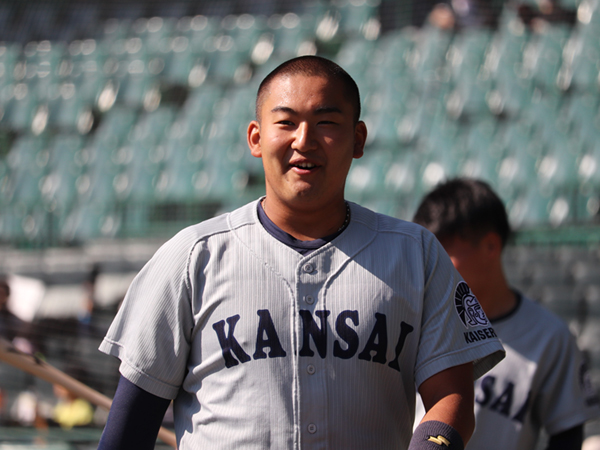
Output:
x=308 y=268
x=310 y=282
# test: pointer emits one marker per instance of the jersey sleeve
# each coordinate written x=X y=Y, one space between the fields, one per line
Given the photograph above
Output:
x=151 y=332
x=454 y=328
x=566 y=397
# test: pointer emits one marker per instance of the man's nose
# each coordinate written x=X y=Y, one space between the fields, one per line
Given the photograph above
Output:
x=304 y=138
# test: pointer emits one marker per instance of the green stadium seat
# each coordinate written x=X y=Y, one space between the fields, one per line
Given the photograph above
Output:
x=115 y=125
x=84 y=68
x=326 y=26
x=115 y=29
x=135 y=164
x=97 y=186
x=516 y=172
x=542 y=58
x=467 y=53
x=214 y=182
x=136 y=185
x=429 y=54
x=240 y=101
x=294 y=35
x=10 y=226
x=510 y=96
x=354 y=56
x=185 y=52
x=505 y=57
x=152 y=126
x=482 y=155
x=417 y=120
x=557 y=167
x=401 y=174
x=20 y=108
x=580 y=110
x=437 y=169
x=27 y=163
x=587 y=205
x=388 y=74
x=69 y=112
x=588 y=15
x=133 y=72
x=357 y=17
x=175 y=183
x=197 y=28
x=469 y=98
x=245 y=29
x=10 y=54
x=580 y=67
x=367 y=175
x=527 y=208
x=88 y=221
x=154 y=32
x=201 y=102
x=59 y=186
x=180 y=59
x=382 y=127
x=588 y=168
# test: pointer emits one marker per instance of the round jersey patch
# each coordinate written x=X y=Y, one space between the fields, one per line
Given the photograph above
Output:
x=468 y=308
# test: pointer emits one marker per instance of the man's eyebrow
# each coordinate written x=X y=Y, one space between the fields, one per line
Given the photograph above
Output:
x=328 y=109
x=319 y=110
x=283 y=109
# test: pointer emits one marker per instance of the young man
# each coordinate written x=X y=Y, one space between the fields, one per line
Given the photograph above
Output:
x=299 y=320
x=543 y=381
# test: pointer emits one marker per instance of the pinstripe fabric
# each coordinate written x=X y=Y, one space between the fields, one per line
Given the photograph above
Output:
x=265 y=348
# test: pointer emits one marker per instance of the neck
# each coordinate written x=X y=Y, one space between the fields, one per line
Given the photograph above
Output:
x=496 y=297
x=308 y=224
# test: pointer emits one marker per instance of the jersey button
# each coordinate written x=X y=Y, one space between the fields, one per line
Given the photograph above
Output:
x=309 y=299
x=308 y=268
x=312 y=428
x=310 y=369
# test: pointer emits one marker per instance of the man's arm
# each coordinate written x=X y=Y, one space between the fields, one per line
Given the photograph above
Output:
x=134 y=419
x=448 y=398
x=571 y=439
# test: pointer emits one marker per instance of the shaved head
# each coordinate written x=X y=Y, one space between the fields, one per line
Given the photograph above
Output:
x=312 y=66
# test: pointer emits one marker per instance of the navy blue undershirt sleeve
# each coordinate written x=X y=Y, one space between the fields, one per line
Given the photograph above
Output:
x=134 y=419
x=436 y=435
x=571 y=439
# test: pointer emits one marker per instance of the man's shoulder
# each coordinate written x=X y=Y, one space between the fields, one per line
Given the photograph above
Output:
x=221 y=224
x=389 y=225
x=533 y=325
x=545 y=319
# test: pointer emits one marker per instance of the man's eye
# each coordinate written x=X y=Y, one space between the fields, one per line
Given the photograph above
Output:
x=285 y=122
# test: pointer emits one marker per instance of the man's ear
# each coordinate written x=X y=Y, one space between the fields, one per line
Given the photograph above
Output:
x=253 y=136
x=360 y=138
x=492 y=244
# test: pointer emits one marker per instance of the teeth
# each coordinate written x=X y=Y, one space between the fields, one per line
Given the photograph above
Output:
x=306 y=165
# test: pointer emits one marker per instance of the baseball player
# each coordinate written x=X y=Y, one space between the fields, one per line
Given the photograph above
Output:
x=300 y=320
x=543 y=381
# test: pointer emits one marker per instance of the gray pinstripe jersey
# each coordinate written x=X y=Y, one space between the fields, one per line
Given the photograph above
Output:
x=542 y=382
x=265 y=348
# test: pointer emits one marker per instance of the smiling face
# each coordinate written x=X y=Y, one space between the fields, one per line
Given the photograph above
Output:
x=307 y=137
